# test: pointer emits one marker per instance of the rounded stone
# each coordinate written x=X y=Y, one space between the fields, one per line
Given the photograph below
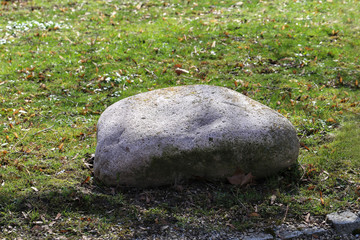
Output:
x=167 y=135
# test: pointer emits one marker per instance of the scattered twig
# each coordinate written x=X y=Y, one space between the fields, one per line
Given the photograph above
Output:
x=77 y=154
x=180 y=71
x=286 y=212
x=44 y=130
x=239 y=200
x=304 y=172
x=13 y=148
x=151 y=72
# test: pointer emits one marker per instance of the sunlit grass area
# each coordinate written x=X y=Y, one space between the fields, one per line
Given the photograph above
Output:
x=63 y=62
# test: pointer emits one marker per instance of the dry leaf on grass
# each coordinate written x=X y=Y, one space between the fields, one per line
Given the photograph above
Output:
x=240 y=178
x=272 y=199
x=86 y=180
x=321 y=199
x=254 y=214
x=304 y=146
x=58 y=216
x=357 y=191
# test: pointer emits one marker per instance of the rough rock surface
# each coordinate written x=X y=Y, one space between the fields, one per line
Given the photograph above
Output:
x=163 y=136
x=344 y=222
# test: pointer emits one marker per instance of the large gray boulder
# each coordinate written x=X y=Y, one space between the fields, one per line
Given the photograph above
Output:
x=163 y=136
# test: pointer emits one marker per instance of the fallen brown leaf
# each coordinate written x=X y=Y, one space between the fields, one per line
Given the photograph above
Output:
x=321 y=199
x=331 y=120
x=61 y=146
x=304 y=146
x=254 y=214
x=58 y=216
x=86 y=180
x=240 y=178
x=357 y=191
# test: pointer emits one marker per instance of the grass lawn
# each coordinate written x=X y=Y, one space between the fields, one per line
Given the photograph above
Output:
x=63 y=62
